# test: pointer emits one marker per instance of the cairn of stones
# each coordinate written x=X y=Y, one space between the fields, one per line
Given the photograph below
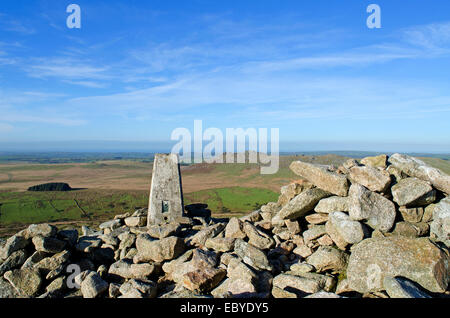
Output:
x=374 y=228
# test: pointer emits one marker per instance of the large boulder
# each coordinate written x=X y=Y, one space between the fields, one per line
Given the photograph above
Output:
x=158 y=250
x=251 y=255
x=343 y=230
x=440 y=226
x=417 y=259
x=413 y=192
x=376 y=210
x=302 y=204
x=417 y=168
x=14 y=243
x=399 y=287
x=372 y=178
x=93 y=285
x=321 y=177
x=332 y=204
x=27 y=282
x=328 y=258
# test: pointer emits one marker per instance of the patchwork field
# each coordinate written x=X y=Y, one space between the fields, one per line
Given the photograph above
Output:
x=109 y=187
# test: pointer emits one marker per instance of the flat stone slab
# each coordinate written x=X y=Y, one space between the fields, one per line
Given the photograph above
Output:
x=321 y=177
x=417 y=168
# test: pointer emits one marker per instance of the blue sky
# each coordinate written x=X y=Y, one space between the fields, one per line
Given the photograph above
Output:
x=137 y=70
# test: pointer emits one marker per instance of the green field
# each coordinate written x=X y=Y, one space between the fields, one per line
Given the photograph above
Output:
x=236 y=200
x=91 y=207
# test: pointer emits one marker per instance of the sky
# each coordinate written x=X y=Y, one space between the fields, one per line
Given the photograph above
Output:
x=136 y=70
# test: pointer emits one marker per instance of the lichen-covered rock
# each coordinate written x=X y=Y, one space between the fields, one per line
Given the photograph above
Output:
x=376 y=161
x=252 y=255
x=138 y=288
x=417 y=168
x=14 y=243
x=200 y=238
x=413 y=192
x=416 y=259
x=440 y=226
x=158 y=250
x=376 y=210
x=332 y=204
x=328 y=258
x=45 y=230
x=235 y=229
x=126 y=269
x=27 y=282
x=343 y=230
x=372 y=178
x=48 y=244
x=93 y=285
x=399 y=287
x=321 y=177
x=302 y=204
x=203 y=279
x=220 y=244
x=258 y=238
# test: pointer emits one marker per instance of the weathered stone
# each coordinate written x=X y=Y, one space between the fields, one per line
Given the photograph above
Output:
x=127 y=240
x=236 y=288
x=343 y=230
x=251 y=255
x=200 y=238
x=171 y=266
x=15 y=260
x=258 y=238
x=323 y=295
x=301 y=268
x=252 y=217
x=372 y=178
x=238 y=270
x=406 y=229
x=138 y=288
x=398 y=287
x=314 y=233
x=413 y=192
x=113 y=224
x=376 y=161
x=441 y=221
x=413 y=215
x=126 y=269
x=332 y=204
x=293 y=226
x=416 y=259
x=428 y=213
x=297 y=284
x=282 y=293
x=289 y=191
x=164 y=230
x=34 y=259
x=49 y=264
x=328 y=258
x=93 y=285
x=26 y=281
x=6 y=290
x=302 y=204
x=321 y=177
x=325 y=240
x=203 y=279
x=378 y=211
x=158 y=250
x=45 y=230
x=58 y=285
x=14 y=243
x=88 y=243
x=317 y=218
x=166 y=195
x=419 y=169
x=136 y=221
x=109 y=239
x=220 y=244
x=48 y=244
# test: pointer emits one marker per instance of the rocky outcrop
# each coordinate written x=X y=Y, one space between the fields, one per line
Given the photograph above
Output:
x=374 y=228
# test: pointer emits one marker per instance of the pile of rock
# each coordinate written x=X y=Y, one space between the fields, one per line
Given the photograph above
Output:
x=375 y=228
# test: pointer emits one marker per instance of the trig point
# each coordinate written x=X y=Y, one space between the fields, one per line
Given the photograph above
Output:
x=166 y=194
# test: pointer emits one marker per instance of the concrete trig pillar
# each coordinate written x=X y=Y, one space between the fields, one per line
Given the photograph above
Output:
x=166 y=193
